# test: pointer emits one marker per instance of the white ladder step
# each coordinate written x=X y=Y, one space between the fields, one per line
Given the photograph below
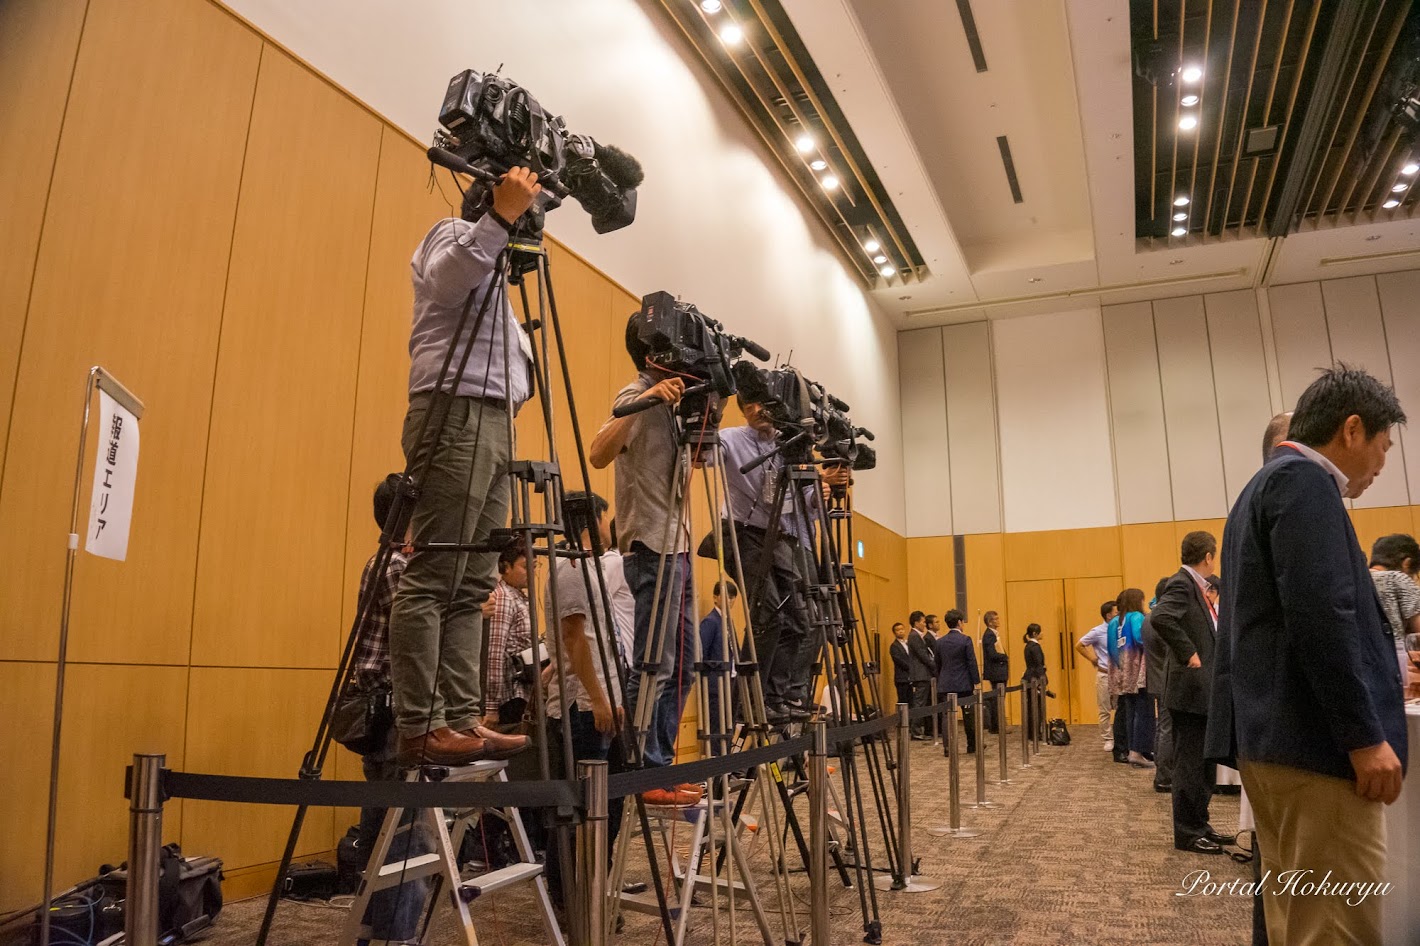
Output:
x=396 y=872
x=498 y=879
x=473 y=772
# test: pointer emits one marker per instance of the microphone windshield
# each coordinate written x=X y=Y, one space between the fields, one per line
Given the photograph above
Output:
x=618 y=165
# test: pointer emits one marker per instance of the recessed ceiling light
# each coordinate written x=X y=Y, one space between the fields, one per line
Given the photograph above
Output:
x=887 y=271
x=1373 y=238
x=1180 y=201
x=805 y=144
x=710 y=6
x=1175 y=262
x=1188 y=101
x=1188 y=122
x=872 y=246
x=732 y=35
x=1033 y=279
x=1391 y=204
x=1410 y=168
x=1179 y=231
x=1191 y=74
x=1398 y=188
x=880 y=259
x=818 y=164
x=1181 y=215
x=829 y=182
x=903 y=298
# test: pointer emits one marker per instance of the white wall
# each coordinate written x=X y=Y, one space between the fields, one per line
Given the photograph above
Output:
x=716 y=223
x=1147 y=411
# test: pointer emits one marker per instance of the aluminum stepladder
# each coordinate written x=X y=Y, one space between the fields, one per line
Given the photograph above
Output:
x=443 y=862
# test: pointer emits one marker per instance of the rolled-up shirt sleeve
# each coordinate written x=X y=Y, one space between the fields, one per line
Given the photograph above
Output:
x=458 y=257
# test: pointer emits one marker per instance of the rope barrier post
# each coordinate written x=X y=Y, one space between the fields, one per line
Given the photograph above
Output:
x=1038 y=696
x=935 y=720
x=818 y=835
x=998 y=694
x=906 y=880
x=1025 y=725
x=954 y=828
x=979 y=730
x=145 y=843
x=591 y=852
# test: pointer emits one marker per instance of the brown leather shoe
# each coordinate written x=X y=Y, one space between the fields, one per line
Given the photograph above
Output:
x=497 y=745
x=440 y=746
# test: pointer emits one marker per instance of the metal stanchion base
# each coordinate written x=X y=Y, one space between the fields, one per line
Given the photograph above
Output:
x=982 y=804
x=915 y=884
x=942 y=831
x=1001 y=781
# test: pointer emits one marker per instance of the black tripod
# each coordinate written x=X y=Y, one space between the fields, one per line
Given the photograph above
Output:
x=536 y=519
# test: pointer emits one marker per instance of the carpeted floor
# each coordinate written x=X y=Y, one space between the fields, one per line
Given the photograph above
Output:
x=1079 y=851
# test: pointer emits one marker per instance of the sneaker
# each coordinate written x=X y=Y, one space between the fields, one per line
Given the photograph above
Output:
x=1109 y=746
x=691 y=788
x=669 y=798
x=1140 y=761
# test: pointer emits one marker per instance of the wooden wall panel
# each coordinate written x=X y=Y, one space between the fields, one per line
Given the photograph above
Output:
x=1240 y=381
x=280 y=444
x=927 y=466
x=1299 y=328
x=404 y=210
x=1149 y=551
x=1062 y=553
x=1083 y=597
x=29 y=699
x=1037 y=602
x=259 y=722
x=971 y=428
x=145 y=302
x=1372 y=523
x=931 y=575
x=1358 y=337
x=1136 y=406
x=1190 y=409
x=1400 y=308
x=985 y=578
x=39 y=42
x=585 y=303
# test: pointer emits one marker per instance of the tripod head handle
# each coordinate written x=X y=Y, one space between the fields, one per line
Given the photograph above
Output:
x=646 y=403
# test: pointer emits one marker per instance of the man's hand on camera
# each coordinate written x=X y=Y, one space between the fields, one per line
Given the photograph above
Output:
x=669 y=391
x=837 y=475
x=515 y=193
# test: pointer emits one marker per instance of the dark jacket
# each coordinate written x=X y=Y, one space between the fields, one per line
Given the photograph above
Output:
x=1157 y=656
x=996 y=663
x=924 y=662
x=956 y=663
x=1305 y=671
x=1181 y=619
x=1035 y=662
x=901 y=662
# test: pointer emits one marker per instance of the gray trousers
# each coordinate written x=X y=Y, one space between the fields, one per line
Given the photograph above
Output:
x=436 y=625
x=1163 y=742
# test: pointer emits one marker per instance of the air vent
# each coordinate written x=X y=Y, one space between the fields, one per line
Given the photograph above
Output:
x=1010 y=167
x=973 y=38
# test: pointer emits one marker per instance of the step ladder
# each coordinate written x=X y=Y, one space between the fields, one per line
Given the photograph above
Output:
x=447 y=830
x=695 y=873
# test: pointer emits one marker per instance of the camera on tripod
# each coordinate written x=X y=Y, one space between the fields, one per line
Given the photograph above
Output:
x=683 y=341
x=802 y=410
x=489 y=124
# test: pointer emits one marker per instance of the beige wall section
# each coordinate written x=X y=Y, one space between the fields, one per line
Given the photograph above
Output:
x=1240 y=384
x=252 y=286
x=971 y=429
x=1400 y=309
x=1136 y=404
x=38 y=40
x=926 y=454
x=1190 y=408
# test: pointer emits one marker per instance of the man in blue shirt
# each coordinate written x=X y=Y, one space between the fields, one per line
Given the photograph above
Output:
x=1094 y=647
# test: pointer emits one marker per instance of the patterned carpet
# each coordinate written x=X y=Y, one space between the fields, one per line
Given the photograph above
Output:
x=1079 y=851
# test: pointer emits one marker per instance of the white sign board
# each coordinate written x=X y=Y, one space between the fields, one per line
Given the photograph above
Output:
x=115 y=471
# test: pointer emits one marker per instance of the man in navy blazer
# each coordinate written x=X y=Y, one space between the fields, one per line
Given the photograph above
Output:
x=1306 y=698
x=957 y=672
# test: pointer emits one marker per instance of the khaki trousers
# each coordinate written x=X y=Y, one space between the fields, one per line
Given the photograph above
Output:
x=1316 y=823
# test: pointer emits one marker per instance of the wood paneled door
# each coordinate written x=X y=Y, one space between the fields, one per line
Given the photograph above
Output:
x=1038 y=602
x=1083 y=597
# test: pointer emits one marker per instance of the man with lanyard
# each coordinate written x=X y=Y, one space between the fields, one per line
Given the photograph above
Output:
x=436 y=620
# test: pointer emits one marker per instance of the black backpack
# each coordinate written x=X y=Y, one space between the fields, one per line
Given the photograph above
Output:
x=189 y=891
x=1056 y=734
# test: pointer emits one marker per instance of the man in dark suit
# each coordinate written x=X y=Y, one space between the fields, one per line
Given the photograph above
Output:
x=1157 y=667
x=901 y=663
x=957 y=673
x=1307 y=696
x=923 y=669
x=1186 y=621
x=995 y=666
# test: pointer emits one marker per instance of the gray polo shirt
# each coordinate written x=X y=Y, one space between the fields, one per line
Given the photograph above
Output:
x=455 y=257
x=645 y=470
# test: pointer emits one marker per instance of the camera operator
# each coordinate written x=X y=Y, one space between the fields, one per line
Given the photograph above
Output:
x=832 y=476
x=646 y=449
x=436 y=625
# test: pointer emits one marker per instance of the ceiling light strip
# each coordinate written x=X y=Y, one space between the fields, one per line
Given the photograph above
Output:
x=1144 y=284
x=1287 y=115
x=843 y=149
x=851 y=252
x=1222 y=120
x=1361 y=114
x=1366 y=258
x=1242 y=122
x=1173 y=126
x=1202 y=96
x=1267 y=114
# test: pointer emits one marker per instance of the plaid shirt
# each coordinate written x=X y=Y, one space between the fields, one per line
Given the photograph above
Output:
x=509 y=633
x=372 y=656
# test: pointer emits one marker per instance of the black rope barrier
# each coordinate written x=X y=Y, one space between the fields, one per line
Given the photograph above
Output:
x=347 y=794
x=643 y=780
